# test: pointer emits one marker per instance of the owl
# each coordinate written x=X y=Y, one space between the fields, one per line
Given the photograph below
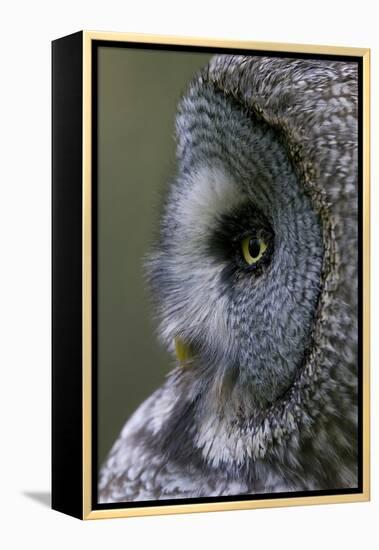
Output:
x=253 y=280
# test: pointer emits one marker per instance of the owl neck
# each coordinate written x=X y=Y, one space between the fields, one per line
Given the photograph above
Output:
x=215 y=423
x=216 y=418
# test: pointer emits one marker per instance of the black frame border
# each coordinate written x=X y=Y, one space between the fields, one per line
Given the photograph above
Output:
x=67 y=253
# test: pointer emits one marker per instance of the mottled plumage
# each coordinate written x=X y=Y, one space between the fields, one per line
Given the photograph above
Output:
x=268 y=401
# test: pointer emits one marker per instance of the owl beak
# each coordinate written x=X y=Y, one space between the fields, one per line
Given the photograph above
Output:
x=182 y=351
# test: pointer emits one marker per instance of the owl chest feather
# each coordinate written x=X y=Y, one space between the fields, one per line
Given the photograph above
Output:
x=177 y=445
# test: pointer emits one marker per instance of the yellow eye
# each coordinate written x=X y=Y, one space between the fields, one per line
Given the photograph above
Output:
x=253 y=248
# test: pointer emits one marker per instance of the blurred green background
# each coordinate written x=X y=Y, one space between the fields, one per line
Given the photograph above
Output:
x=138 y=91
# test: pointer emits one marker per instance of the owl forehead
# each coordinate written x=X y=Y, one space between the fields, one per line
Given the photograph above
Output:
x=207 y=194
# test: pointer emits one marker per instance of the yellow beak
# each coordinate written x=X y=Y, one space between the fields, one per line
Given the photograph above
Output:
x=183 y=352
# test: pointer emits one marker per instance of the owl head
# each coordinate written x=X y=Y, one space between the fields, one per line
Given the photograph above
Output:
x=254 y=270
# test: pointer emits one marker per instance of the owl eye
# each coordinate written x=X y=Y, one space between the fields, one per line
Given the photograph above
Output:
x=253 y=248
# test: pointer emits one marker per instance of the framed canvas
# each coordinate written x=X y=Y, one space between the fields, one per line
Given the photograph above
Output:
x=210 y=275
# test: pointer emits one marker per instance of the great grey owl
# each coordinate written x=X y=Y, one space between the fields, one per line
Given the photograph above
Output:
x=254 y=281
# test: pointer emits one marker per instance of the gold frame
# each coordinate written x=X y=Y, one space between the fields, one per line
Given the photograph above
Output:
x=88 y=513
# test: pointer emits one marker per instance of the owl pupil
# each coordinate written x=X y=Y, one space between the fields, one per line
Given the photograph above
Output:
x=254 y=248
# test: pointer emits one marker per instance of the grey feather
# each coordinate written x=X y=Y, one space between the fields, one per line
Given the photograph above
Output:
x=269 y=400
